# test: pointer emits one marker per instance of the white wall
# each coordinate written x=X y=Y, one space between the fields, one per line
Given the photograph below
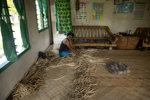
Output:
x=52 y=5
x=116 y=22
x=38 y=41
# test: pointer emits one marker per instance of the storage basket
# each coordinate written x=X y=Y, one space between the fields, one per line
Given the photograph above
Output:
x=127 y=42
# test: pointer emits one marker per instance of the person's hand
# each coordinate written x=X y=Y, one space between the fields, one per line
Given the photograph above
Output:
x=77 y=52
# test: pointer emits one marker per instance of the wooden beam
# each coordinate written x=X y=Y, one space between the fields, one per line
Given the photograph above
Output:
x=95 y=44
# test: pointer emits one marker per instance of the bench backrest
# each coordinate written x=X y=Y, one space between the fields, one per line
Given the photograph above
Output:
x=143 y=32
x=92 y=32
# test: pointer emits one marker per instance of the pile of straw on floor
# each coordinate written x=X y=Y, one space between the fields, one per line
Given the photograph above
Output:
x=84 y=81
x=34 y=78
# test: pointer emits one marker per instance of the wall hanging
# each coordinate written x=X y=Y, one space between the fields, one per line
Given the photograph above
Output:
x=126 y=7
x=81 y=13
x=139 y=11
x=97 y=11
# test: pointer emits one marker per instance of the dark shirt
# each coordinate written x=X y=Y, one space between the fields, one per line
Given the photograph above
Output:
x=63 y=47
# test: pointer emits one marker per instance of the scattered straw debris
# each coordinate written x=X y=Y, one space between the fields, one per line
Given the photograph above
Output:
x=35 y=77
x=84 y=82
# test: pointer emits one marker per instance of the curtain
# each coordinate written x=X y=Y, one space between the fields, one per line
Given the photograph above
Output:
x=19 y=4
x=7 y=34
x=0 y=7
x=64 y=15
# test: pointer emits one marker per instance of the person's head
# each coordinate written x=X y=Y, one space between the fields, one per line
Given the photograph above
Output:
x=70 y=35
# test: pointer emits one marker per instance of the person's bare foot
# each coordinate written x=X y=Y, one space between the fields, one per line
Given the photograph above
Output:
x=68 y=56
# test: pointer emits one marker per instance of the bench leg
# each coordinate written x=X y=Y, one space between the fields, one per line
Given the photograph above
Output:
x=110 y=48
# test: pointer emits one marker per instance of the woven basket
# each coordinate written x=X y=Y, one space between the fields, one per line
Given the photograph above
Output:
x=127 y=42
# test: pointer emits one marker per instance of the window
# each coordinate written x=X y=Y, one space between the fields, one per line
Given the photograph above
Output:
x=42 y=14
x=14 y=18
x=2 y=56
x=13 y=31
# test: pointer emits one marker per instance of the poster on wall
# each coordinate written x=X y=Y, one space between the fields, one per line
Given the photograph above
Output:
x=126 y=7
x=118 y=2
x=139 y=11
x=81 y=14
x=97 y=13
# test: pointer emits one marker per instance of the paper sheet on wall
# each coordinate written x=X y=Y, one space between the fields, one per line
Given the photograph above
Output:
x=81 y=14
x=139 y=11
x=97 y=13
x=127 y=7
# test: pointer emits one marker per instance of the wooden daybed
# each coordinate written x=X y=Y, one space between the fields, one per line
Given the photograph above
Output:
x=93 y=36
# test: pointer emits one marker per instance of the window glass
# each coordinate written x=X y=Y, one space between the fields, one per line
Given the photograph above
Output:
x=15 y=20
x=41 y=11
x=39 y=19
x=19 y=37
x=2 y=56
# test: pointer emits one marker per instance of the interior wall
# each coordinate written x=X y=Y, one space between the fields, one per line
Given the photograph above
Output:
x=57 y=37
x=38 y=41
x=50 y=23
x=116 y=22
x=52 y=6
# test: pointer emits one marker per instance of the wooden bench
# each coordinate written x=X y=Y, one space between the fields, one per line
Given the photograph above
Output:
x=93 y=36
x=144 y=34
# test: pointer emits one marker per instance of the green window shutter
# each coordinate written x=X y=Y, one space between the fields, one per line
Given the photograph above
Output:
x=0 y=7
x=8 y=42
x=19 y=4
x=7 y=33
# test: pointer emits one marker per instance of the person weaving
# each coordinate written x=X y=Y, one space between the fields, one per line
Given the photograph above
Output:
x=66 y=47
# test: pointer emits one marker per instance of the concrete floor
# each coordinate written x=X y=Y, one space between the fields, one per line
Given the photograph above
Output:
x=132 y=86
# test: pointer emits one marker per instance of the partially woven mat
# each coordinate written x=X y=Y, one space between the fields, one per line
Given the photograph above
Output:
x=84 y=82
x=35 y=77
x=85 y=77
